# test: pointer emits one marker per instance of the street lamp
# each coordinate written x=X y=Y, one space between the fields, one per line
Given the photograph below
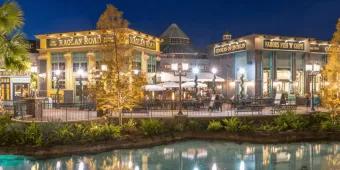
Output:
x=80 y=73
x=180 y=70
x=214 y=71
x=195 y=71
x=57 y=77
x=313 y=70
x=103 y=67
x=135 y=71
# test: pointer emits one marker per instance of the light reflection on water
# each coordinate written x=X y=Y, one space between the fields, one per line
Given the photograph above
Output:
x=195 y=155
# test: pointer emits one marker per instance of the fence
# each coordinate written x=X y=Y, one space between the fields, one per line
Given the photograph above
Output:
x=43 y=111
x=155 y=109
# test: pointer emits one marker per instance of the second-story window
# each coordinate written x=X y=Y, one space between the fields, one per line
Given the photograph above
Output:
x=152 y=64
x=79 y=61
x=58 y=63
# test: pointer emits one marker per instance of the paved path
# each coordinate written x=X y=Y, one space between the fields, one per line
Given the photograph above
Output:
x=74 y=114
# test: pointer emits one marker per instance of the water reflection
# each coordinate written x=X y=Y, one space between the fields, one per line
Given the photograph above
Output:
x=195 y=155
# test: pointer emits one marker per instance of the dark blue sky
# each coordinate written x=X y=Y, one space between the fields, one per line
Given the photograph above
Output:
x=203 y=20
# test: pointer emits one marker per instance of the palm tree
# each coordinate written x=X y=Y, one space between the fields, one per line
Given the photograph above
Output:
x=13 y=46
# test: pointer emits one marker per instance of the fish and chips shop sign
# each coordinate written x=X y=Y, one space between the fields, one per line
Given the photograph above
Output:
x=229 y=48
x=92 y=40
x=283 y=45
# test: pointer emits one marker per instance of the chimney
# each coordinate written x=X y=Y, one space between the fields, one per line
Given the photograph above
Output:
x=226 y=36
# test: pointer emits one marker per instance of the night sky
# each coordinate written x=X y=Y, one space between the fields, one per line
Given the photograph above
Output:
x=203 y=20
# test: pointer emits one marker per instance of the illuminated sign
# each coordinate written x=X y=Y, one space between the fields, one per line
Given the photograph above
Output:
x=323 y=48
x=283 y=45
x=91 y=40
x=229 y=48
x=316 y=48
x=142 y=42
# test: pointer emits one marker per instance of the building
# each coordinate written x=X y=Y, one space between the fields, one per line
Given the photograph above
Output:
x=269 y=64
x=15 y=86
x=67 y=52
x=177 y=48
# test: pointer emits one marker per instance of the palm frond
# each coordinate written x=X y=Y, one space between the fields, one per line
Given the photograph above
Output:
x=11 y=17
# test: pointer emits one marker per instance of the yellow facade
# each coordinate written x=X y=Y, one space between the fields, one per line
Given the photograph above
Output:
x=87 y=42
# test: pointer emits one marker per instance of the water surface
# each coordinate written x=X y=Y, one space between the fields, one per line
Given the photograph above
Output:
x=195 y=155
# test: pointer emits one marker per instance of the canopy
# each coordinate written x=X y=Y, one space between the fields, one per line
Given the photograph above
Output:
x=153 y=87
x=204 y=77
x=169 y=85
x=192 y=85
x=165 y=77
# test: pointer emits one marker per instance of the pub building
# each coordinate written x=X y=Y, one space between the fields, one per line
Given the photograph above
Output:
x=15 y=86
x=269 y=64
x=66 y=53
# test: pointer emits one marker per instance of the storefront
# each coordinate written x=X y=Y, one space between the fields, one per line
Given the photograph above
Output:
x=264 y=65
x=61 y=55
x=14 y=87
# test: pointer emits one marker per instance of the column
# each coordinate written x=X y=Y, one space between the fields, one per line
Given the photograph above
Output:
x=91 y=64
x=144 y=62
x=48 y=78
x=293 y=66
x=69 y=82
x=258 y=73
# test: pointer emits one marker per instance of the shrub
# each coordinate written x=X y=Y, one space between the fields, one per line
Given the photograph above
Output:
x=267 y=127
x=130 y=126
x=215 y=125
x=14 y=134
x=327 y=125
x=64 y=134
x=290 y=120
x=101 y=132
x=33 y=135
x=5 y=119
x=232 y=124
x=194 y=125
x=151 y=127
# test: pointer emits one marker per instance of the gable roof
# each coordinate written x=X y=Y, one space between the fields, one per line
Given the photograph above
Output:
x=173 y=31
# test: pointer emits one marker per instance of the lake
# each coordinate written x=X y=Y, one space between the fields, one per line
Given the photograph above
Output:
x=194 y=155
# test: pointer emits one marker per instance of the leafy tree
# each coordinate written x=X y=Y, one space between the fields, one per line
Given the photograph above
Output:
x=13 y=46
x=331 y=73
x=116 y=88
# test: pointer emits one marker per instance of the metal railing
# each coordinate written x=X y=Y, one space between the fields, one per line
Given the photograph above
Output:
x=45 y=111
x=51 y=112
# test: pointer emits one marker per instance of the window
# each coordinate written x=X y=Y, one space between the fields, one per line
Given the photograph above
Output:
x=99 y=59
x=58 y=63
x=152 y=64
x=137 y=60
x=79 y=61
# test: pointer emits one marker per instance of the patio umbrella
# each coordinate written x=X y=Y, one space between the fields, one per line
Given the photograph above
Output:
x=153 y=87
x=192 y=85
x=169 y=85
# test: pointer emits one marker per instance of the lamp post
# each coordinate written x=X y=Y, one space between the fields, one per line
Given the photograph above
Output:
x=195 y=71
x=80 y=73
x=313 y=70
x=57 y=77
x=214 y=71
x=180 y=70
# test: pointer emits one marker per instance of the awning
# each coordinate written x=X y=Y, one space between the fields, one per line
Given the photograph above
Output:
x=169 y=84
x=192 y=85
x=204 y=77
x=153 y=87
x=165 y=77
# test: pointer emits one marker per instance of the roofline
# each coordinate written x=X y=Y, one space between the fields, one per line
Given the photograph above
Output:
x=270 y=35
x=38 y=36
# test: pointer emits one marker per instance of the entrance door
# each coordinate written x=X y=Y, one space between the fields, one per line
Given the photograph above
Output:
x=80 y=91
